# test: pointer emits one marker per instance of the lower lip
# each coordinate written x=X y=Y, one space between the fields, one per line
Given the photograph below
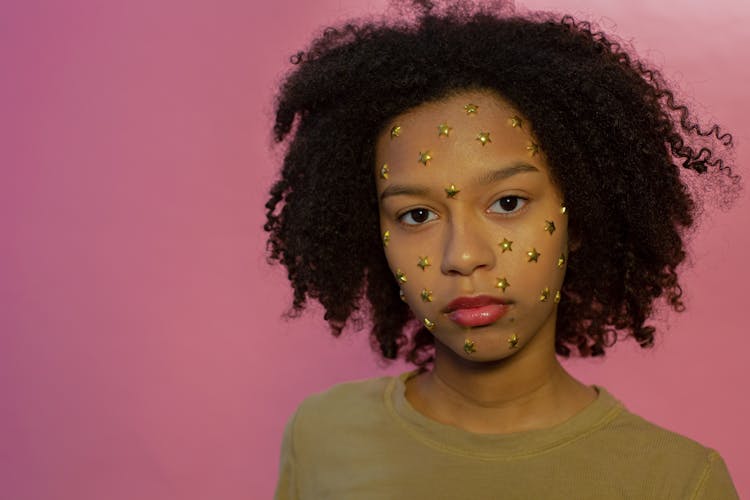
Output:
x=478 y=316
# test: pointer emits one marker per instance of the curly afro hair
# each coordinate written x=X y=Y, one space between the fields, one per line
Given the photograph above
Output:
x=613 y=135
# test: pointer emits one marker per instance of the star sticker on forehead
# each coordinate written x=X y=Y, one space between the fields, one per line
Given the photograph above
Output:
x=549 y=226
x=515 y=122
x=396 y=131
x=384 y=171
x=426 y=295
x=444 y=129
x=484 y=138
x=502 y=283
x=424 y=262
x=451 y=191
x=506 y=245
x=533 y=148
x=469 y=346
x=533 y=255
x=471 y=109
x=513 y=341
x=424 y=157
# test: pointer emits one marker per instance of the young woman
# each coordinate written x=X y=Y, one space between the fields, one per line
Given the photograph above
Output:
x=492 y=191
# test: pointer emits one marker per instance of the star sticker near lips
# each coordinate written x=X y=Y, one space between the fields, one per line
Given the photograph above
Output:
x=502 y=283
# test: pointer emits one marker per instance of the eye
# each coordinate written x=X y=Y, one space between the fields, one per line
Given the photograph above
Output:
x=508 y=204
x=417 y=216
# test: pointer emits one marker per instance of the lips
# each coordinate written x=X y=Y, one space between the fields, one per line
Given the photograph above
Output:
x=476 y=311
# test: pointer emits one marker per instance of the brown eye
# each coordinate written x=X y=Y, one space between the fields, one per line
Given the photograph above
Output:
x=417 y=216
x=508 y=204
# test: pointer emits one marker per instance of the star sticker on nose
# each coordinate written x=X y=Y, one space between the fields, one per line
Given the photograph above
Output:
x=426 y=295
x=424 y=262
x=533 y=148
x=502 y=283
x=484 y=138
x=561 y=260
x=549 y=226
x=471 y=109
x=544 y=295
x=513 y=341
x=469 y=346
x=533 y=255
x=400 y=276
x=384 y=171
x=444 y=129
x=424 y=157
x=396 y=131
x=451 y=191
x=515 y=122
x=506 y=245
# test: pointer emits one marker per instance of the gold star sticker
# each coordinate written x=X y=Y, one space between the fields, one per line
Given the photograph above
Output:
x=544 y=295
x=384 y=171
x=451 y=191
x=533 y=148
x=424 y=262
x=502 y=283
x=401 y=295
x=513 y=341
x=506 y=245
x=386 y=238
x=561 y=260
x=429 y=324
x=533 y=255
x=549 y=226
x=396 y=131
x=471 y=109
x=400 y=276
x=515 y=122
x=469 y=347
x=426 y=295
x=557 y=297
x=484 y=138
x=563 y=209
x=444 y=129
x=424 y=157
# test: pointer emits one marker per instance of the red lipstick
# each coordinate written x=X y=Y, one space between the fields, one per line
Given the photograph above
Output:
x=476 y=311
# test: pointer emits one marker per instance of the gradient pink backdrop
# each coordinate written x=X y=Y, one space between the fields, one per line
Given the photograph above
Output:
x=142 y=354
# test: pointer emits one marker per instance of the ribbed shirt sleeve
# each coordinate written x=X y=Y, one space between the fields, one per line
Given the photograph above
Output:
x=716 y=483
x=286 y=487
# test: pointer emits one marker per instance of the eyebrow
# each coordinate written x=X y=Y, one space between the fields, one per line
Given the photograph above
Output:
x=487 y=178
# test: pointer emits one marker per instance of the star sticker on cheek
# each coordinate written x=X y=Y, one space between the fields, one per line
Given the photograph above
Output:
x=401 y=295
x=469 y=346
x=513 y=341
x=557 y=297
x=502 y=283
x=451 y=191
x=444 y=129
x=384 y=171
x=549 y=226
x=429 y=324
x=424 y=262
x=544 y=295
x=563 y=209
x=386 y=238
x=424 y=157
x=471 y=109
x=533 y=255
x=426 y=295
x=561 y=261
x=515 y=122
x=400 y=276
x=533 y=148
x=396 y=131
x=484 y=138
x=506 y=245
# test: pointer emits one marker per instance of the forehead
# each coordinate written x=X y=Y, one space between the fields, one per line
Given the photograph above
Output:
x=450 y=131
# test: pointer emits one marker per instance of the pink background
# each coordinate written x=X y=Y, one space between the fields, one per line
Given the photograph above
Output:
x=142 y=354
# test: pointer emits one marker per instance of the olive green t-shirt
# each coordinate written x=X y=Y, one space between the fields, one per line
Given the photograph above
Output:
x=362 y=440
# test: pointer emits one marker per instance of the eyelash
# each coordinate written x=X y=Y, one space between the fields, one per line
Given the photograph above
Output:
x=411 y=213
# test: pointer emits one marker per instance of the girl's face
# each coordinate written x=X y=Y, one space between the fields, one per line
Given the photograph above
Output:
x=474 y=230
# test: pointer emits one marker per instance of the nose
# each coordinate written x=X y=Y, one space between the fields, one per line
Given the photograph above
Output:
x=468 y=247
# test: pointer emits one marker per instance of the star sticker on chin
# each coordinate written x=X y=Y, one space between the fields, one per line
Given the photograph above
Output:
x=513 y=341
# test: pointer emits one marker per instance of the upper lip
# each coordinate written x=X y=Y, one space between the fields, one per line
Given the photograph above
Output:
x=471 y=302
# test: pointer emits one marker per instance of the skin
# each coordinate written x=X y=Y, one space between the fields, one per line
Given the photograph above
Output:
x=505 y=192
